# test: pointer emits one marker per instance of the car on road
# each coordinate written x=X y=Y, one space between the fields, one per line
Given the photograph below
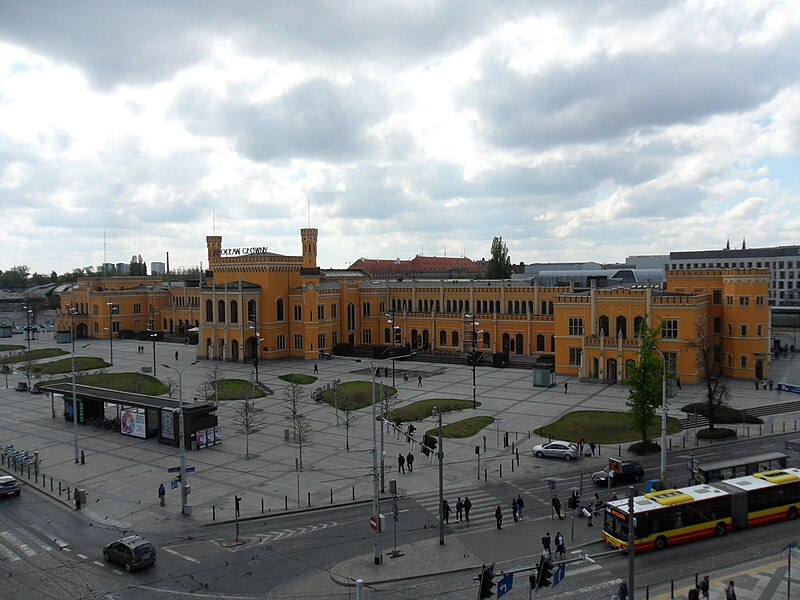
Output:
x=132 y=552
x=17 y=330
x=9 y=486
x=556 y=449
x=624 y=472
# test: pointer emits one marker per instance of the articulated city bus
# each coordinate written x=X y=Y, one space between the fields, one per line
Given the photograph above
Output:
x=722 y=470
x=681 y=515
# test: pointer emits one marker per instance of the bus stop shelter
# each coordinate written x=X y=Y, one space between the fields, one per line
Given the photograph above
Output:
x=142 y=416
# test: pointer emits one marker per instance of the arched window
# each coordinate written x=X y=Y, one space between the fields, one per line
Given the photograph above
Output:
x=251 y=311
x=506 y=342
x=221 y=310
x=234 y=311
x=540 y=343
x=351 y=319
x=603 y=326
x=443 y=342
x=544 y=312
x=510 y=307
x=553 y=349
x=454 y=339
x=520 y=344
x=209 y=311
x=280 y=311
x=487 y=342
x=622 y=329
x=550 y=312
x=637 y=325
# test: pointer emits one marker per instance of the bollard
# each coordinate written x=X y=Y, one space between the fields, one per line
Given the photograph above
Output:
x=485 y=473
x=670 y=447
x=671 y=582
x=83 y=459
x=784 y=430
x=748 y=431
x=286 y=502
x=619 y=453
x=29 y=471
x=214 y=512
x=501 y=472
x=262 y=506
x=331 y=495
x=696 y=579
x=646 y=589
x=309 y=499
x=51 y=483
x=44 y=481
x=36 y=476
x=517 y=456
x=354 y=492
x=600 y=451
x=68 y=493
x=759 y=433
x=512 y=465
x=771 y=429
x=59 y=488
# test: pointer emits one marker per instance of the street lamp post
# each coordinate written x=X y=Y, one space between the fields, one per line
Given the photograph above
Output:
x=392 y=328
x=72 y=311
x=110 y=332
x=182 y=441
x=473 y=357
x=663 y=416
x=153 y=337
x=254 y=327
x=28 y=337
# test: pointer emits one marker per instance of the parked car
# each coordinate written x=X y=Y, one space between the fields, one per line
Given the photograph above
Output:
x=556 y=449
x=132 y=552
x=17 y=330
x=625 y=472
x=9 y=486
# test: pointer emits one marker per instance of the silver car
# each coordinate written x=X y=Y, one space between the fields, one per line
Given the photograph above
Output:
x=556 y=449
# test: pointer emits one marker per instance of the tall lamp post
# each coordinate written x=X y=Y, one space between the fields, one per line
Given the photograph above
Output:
x=254 y=326
x=154 y=337
x=72 y=311
x=110 y=332
x=473 y=357
x=663 y=416
x=182 y=440
x=393 y=328
x=28 y=337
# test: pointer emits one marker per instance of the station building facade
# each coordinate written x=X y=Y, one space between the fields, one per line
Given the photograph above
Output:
x=255 y=303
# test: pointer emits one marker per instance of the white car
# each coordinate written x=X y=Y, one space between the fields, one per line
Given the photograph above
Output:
x=556 y=449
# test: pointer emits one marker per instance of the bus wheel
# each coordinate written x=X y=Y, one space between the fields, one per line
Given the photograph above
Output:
x=660 y=543
x=792 y=513
x=720 y=529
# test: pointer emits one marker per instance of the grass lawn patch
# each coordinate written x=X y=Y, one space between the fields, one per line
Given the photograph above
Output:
x=39 y=354
x=722 y=414
x=11 y=347
x=424 y=408
x=235 y=389
x=137 y=383
x=298 y=378
x=357 y=394
x=462 y=429
x=601 y=426
x=82 y=363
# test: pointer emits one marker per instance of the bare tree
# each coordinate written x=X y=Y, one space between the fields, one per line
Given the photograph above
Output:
x=249 y=419
x=389 y=400
x=349 y=417
x=210 y=385
x=709 y=366
x=172 y=387
x=302 y=432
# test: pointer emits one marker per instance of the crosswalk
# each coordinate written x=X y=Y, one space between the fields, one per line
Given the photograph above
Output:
x=481 y=513
x=17 y=543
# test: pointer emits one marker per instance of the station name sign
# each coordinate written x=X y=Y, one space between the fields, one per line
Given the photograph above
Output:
x=241 y=251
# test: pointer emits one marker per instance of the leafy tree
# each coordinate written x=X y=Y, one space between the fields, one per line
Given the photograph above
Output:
x=137 y=266
x=644 y=379
x=499 y=266
x=707 y=351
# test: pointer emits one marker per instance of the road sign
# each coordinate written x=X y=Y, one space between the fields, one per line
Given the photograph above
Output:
x=505 y=585
x=559 y=574
x=190 y=469
x=498 y=421
x=373 y=523
x=551 y=484
x=173 y=484
x=178 y=470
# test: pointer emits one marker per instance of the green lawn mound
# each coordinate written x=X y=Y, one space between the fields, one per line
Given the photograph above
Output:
x=64 y=365
x=38 y=354
x=11 y=347
x=298 y=378
x=354 y=395
x=601 y=427
x=137 y=383
x=235 y=389
x=462 y=429
x=722 y=414
x=718 y=433
x=423 y=409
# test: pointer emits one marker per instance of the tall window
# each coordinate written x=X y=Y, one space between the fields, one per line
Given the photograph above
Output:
x=234 y=311
x=486 y=340
x=743 y=330
x=366 y=336
x=279 y=310
x=443 y=339
x=334 y=337
x=321 y=341
x=298 y=312
x=575 y=356
x=298 y=341
x=744 y=301
x=209 y=311
x=575 y=326
x=333 y=314
x=252 y=315
x=137 y=308
x=540 y=343
x=743 y=362
x=669 y=330
x=280 y=342
x=637 y=325
x=716 y=296
x=602 y=326
x=115 y=309
x=351 y=317
x=365 y=309
x=454 y=339
x=321 y=312
x=221 y=311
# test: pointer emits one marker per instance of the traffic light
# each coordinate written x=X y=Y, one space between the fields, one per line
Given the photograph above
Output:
x=487 y=581
x=237 y=499
x=545 y=572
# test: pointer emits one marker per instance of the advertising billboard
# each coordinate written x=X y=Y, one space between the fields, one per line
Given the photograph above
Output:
x=167 y=424
x=132 y=423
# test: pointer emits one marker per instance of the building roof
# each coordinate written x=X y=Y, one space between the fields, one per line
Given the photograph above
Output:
x=418 y=264
x=737 y=253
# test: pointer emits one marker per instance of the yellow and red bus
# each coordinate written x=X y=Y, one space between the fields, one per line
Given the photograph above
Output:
x=680 y=515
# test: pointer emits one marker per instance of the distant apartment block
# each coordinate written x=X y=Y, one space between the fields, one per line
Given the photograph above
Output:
x=158 y=268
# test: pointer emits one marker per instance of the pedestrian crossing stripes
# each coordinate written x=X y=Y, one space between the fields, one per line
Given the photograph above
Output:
x=481 y=513
x=18 y=543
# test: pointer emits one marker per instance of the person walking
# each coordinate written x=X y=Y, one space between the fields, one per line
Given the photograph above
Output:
x=566 y=386
x=557 y=506
x=161 y=493
x=467 y=506
x=581 y=444
x=498 y=515
x=591 y=447
x=419 y=380
x=77 y=496
x=730 y=591
x=401 y=463
x=622 y=592
x=704 y=586
x=514 y=508
x=546 y=541
x=693 y=595
x=176 y=355
x=520 y=506
x=459 y=509
x=316 y=370
x=678 y=382
x=771 y=383
x=446 y=511
x=410 y=462
x=756 y=383
x=561 y=548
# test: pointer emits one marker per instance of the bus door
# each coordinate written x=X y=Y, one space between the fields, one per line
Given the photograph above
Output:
x=738 y=504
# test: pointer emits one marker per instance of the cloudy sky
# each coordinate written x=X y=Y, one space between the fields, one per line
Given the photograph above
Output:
x=580 y=130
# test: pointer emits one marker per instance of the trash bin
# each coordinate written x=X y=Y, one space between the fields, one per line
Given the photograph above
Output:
x=187 y=510
x=82 y=494
x=393 y=487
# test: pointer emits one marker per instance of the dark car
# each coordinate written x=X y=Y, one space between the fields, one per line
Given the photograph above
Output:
x=9 y=486
x=132 y=552
x=625 y=472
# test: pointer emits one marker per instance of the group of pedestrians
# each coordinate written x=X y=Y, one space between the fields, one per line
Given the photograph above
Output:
x=517 y=504
x=561 y=546
x=462 y=510
x=403 y=461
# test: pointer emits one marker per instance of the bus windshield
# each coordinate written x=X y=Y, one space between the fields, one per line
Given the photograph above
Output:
x=615 y=524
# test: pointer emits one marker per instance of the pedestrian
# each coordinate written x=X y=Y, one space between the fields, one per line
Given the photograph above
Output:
x=514 y=508
x=520 y=506
x=467 y=506
x=598 y=503
x=678 y=381
x=385 y=371
x=561 y=548
x=401 y=463
x=589 y=516
x=546 y=545
x=419 y=380
x=498 y=515
x=410 y=462
x=405 y=376
x=764 y=384
x=77 y=496
x=622 y=592
x=756 y=383
x=693 y=595
x=730 y=591
x=459 y=509
x=176 y=355
x=557 y=506
x=771 y=383
x=704 y=585
x=446 y=511
x=581 y=443
x=316 y=370
x=591 y=447
x=161 y=493
x=566 y=385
